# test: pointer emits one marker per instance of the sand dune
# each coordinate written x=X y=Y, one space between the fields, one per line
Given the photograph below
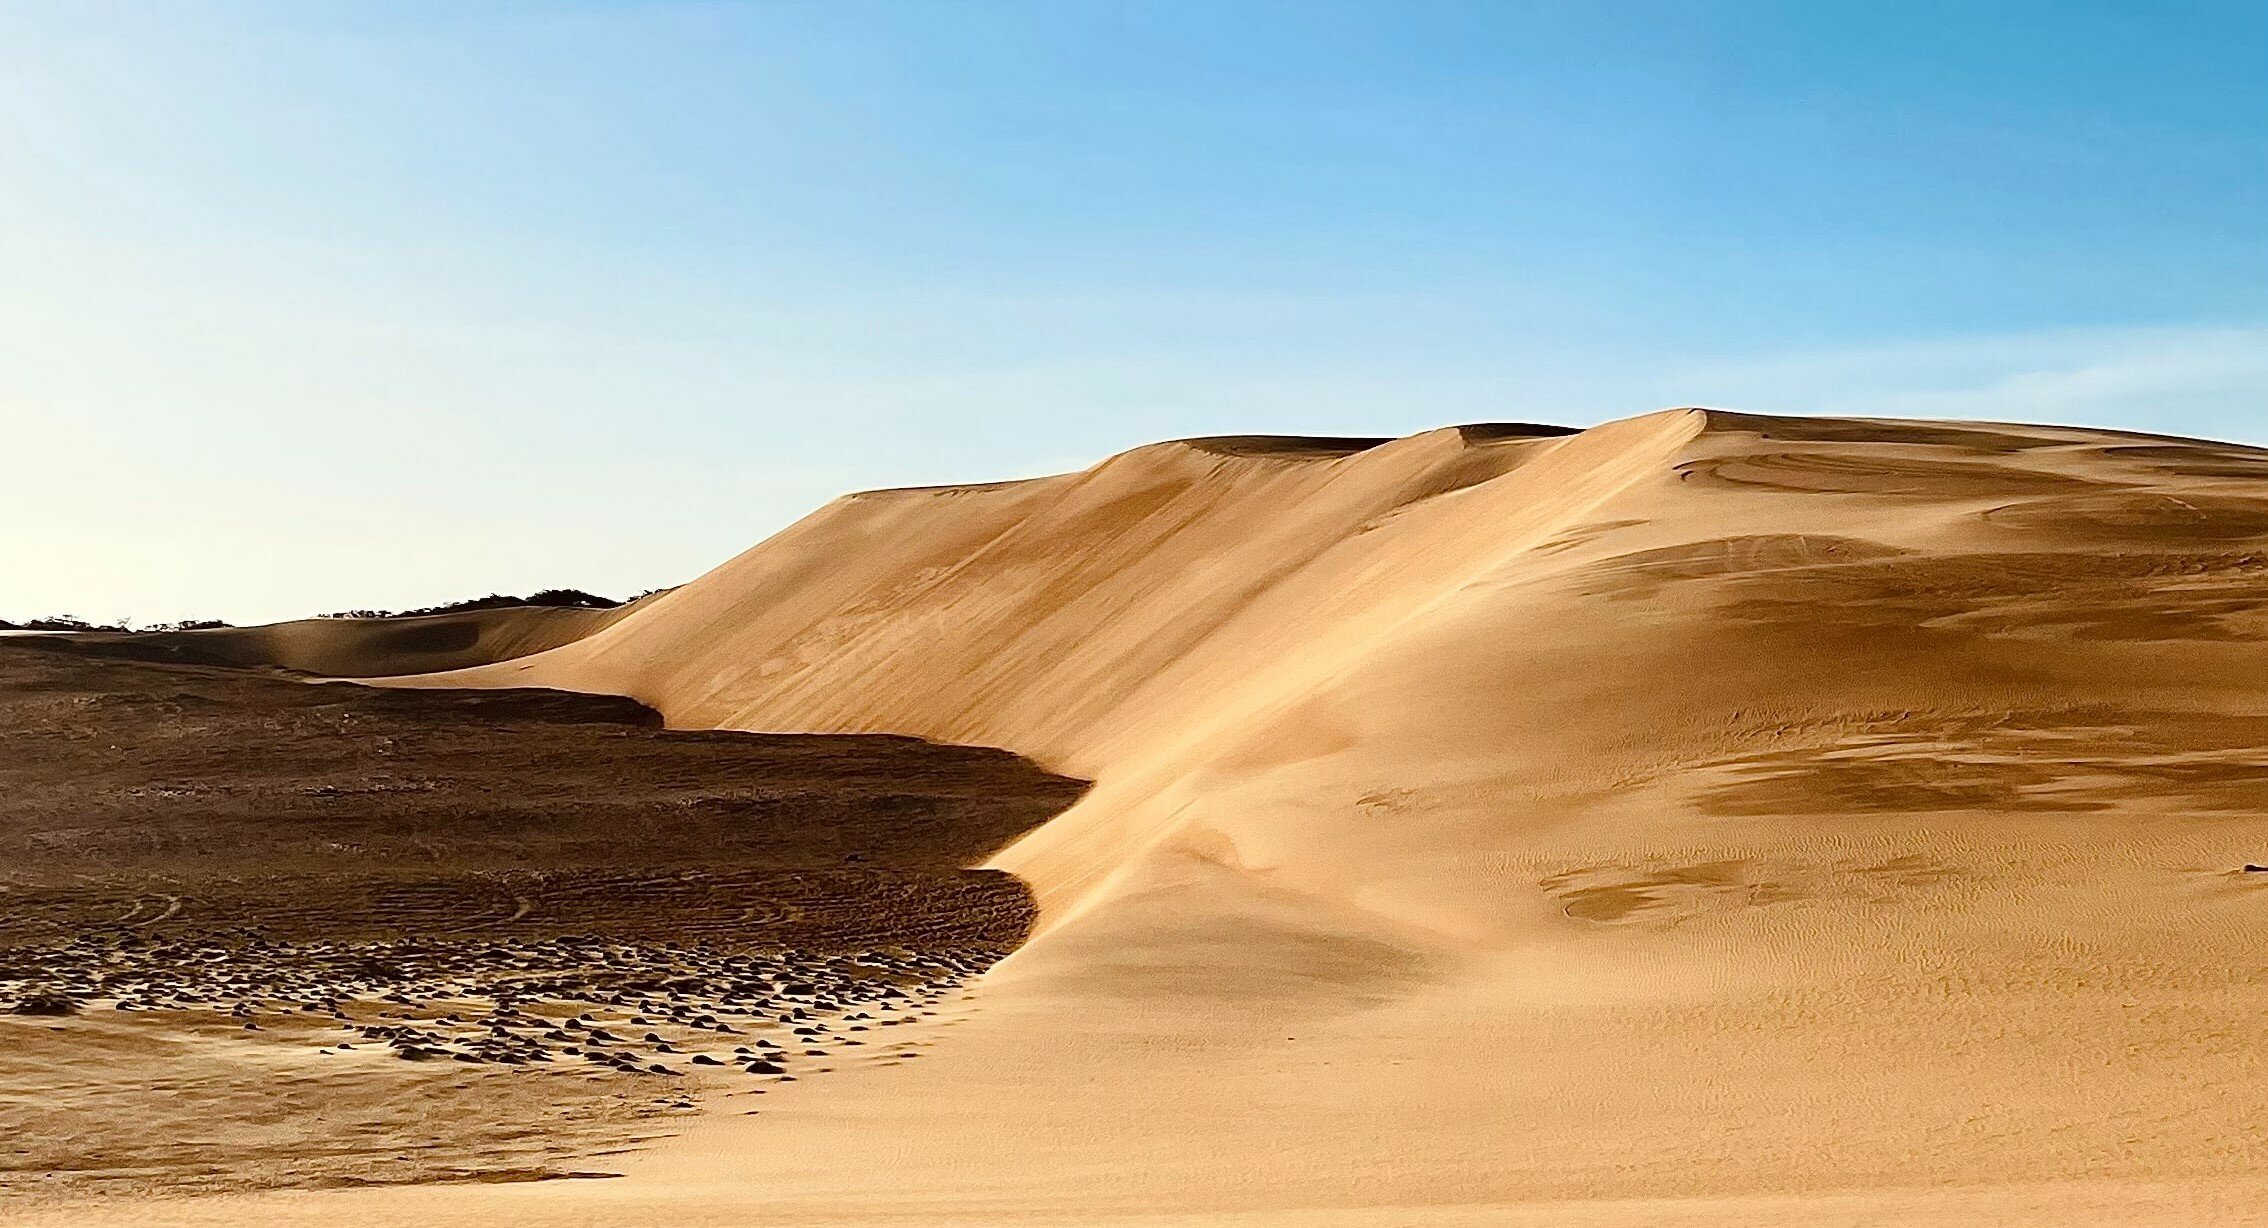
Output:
x=364 y=647
x=1702 y=818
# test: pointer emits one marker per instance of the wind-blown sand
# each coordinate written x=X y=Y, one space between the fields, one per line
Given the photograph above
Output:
x=1702 y=818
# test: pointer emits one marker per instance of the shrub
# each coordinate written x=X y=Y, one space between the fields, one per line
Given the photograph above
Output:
x=557 y=598
x=47 y=1003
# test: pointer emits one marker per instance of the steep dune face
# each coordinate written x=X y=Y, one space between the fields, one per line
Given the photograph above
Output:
x=1061 y=614
x=1200 y=603
x=1702 y=806
x=1862 y=614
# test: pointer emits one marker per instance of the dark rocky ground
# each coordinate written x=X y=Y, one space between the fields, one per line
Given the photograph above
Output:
x=231 y=902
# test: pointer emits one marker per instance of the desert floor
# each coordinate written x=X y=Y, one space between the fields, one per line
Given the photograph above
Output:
x=327 y=936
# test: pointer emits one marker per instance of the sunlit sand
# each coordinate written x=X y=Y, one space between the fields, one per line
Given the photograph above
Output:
x=1698 y=819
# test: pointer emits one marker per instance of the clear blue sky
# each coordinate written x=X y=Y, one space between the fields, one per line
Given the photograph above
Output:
x=308 y=305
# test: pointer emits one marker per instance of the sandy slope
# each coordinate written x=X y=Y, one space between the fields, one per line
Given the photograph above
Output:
x=363 y=647
x=1697 y=819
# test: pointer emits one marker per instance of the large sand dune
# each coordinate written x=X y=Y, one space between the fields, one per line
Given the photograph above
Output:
x=1700 y=818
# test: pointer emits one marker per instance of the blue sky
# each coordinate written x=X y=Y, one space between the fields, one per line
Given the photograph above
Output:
x=306 y=306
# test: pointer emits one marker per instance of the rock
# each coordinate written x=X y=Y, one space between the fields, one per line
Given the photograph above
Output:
x=45 y=1003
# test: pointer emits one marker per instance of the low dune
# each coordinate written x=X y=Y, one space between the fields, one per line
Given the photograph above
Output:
x=347 y=647
x=1701 y=818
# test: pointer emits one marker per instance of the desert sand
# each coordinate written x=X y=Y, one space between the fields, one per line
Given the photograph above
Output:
x=1702 y=818
x=364 y=647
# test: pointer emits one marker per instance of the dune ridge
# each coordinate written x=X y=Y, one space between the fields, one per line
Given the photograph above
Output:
x=1183 y=594
x=1059 y=599
x=1703 y=817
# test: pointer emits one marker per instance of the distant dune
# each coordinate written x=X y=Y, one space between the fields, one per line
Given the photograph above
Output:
x=365 y=647
x=1700 y=818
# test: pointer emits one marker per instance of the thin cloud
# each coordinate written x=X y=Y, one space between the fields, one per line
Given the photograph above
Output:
x=2192 y=381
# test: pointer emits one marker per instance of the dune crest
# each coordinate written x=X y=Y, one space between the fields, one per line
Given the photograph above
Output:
x=1600 y=817
x=1056 y=601
x=1185 y=593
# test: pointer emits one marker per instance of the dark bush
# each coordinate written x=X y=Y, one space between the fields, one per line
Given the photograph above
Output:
x=557 y=598
x=44 y=1002
x=61 y=622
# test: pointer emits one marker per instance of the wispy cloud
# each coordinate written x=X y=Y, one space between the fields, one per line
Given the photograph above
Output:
x=2204 y=380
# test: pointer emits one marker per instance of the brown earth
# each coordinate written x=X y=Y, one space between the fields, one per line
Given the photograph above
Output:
x=211 y=877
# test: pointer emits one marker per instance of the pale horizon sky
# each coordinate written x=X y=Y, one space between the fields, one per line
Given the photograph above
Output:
x=311 y=306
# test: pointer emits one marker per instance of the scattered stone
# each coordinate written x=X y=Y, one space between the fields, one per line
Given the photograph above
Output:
x=45 y=1003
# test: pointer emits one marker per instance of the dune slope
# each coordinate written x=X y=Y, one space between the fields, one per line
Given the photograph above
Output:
x=364 y=647
x=1702 y=818
x=1196 y=605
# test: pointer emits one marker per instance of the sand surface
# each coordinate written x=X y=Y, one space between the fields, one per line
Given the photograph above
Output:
x=362 y=647
x=1697 y=819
